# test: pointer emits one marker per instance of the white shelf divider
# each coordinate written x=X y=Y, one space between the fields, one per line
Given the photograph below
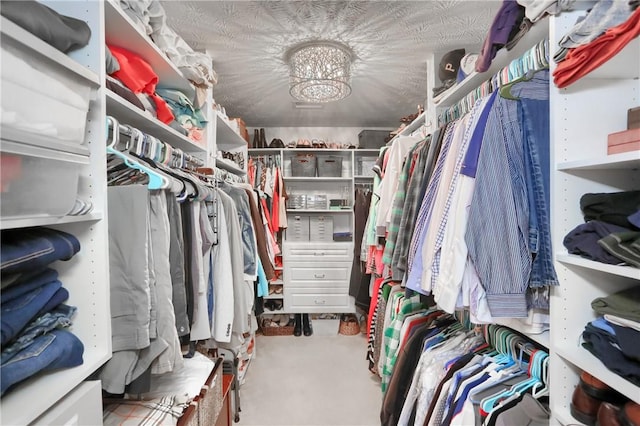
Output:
x=623 y=271
x=126 y=113
x=30 y=42
x=584 y=360
x=226 y=138
x=538 y=32
x=48 y=221
x=622 y=161
x=229 y=166
x=121 y=31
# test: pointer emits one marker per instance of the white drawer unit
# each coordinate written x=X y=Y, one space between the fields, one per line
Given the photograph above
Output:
x=319 y=275
x=317 y=302
x=319 y=252
x=321 y=228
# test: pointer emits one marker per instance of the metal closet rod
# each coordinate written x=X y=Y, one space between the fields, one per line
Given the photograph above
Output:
x=186 y=160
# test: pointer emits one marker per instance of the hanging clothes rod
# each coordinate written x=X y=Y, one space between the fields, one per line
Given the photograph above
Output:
x=533 y=60
x=155 y=149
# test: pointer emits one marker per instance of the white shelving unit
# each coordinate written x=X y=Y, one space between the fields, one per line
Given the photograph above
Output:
x=582 y=115
x=86 y=276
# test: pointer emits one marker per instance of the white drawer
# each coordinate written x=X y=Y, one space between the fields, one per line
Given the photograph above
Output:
x=319 y=275
x=320 y=301
x=319 y=252
x=81 y=406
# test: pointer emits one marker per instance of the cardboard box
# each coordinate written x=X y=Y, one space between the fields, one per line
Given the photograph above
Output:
x=626 y=141
x=633 y=118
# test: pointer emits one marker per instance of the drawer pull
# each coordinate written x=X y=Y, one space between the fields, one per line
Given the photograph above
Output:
x=320 y=302
x=318 y=275
x=319 y=253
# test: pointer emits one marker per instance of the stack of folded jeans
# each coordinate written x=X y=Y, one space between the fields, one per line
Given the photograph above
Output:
x=34 y=316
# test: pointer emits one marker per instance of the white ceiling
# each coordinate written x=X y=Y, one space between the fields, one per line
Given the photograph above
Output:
x=390 y=39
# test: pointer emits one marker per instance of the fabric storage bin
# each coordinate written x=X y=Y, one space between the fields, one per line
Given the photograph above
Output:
x=370 y=139
x=329 y=165
x=316 y=202
x=364 y=166
x=303 y=165
x=297 y=228
x=54 y=103
x=37 y=181
x=321 y=228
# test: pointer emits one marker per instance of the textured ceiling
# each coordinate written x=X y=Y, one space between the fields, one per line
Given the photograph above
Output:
x=390 y=40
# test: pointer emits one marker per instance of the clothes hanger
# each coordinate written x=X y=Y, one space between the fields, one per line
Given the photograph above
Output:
x=156 y=181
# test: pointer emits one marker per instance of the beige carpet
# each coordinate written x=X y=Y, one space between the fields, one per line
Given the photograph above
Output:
x=304 y=381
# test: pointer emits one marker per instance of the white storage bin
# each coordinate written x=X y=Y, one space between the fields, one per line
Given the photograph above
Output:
x=297 y=228
x=40 y=98
x=321 y=228
x=37 y=182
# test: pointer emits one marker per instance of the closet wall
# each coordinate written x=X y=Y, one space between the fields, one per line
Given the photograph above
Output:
x=62 y=397
x=343 y=135
x=582 y=116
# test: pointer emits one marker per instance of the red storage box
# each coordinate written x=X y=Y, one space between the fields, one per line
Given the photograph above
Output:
x=626 y=141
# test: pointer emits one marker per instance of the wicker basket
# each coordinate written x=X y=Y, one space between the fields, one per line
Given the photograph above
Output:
x=349 y=325
x=286 y=330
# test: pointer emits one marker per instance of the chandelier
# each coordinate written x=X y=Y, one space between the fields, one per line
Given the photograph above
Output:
x=319 y=71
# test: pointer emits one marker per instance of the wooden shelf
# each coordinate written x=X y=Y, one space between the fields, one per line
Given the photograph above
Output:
x=121 y=31
x=127 y=113
x=623 y=271
x=584 y=360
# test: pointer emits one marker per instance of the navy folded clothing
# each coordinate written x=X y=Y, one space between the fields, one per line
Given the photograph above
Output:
x=583 y=241
x=22 y=250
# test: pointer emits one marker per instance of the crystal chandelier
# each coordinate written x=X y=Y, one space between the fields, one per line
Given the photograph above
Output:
x=319 y=71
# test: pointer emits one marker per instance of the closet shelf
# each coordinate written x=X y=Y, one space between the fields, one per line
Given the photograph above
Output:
x=317 y=179
x=226 y=138
x=57 y=384
x=121 y=31
x=563 y=416
x=349 y=210
x=363 y=177
x=273 y=296
x=33 y=44
x=623 y=271
x=503 y=58
x=277 y=282
x=48 y=221
x=230 y=166
x=620 y=66
x=126 y=113
x=622 y=161
x=584 y=360
x=414 y=125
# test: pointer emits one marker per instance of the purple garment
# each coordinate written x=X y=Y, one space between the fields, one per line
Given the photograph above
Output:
x=583 y=241
x=634 y=219
x=506 y=22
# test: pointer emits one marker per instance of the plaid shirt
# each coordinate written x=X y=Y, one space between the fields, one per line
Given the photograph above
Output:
x=407 y=306
x=398 y=204
x=415 y=193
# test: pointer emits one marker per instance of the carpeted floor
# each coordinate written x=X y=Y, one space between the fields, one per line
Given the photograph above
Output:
x=304 y=381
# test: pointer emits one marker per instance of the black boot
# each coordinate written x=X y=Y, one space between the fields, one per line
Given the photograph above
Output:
x=297 y=328
x=256 y=139
x=263 y=139
x=306 y=325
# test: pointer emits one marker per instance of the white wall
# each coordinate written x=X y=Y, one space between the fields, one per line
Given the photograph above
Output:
x=343 y=135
